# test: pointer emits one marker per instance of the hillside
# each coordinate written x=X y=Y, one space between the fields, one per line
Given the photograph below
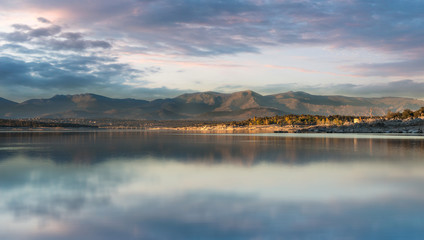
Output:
x=203 y=105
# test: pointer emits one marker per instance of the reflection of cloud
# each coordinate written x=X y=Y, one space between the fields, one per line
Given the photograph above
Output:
x=164 y=200
x=156 y=178
x=313 y=182
x=54 y=192
x=144 y=186
x=52 y=207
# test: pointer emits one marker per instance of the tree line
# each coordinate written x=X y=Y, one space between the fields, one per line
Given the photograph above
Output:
x=306 y=119
x=37 y=124
x=407 y=113
x=293 y=119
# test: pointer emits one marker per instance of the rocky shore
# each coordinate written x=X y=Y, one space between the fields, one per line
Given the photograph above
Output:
x=408 y=126
x=414 y=126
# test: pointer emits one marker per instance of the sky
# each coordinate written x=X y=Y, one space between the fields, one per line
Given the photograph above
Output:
x=148 y=49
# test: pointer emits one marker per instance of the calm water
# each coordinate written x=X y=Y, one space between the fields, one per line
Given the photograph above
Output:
x=135 y=185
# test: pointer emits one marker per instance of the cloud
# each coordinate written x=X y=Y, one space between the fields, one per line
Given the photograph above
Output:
x=400 y=88
x=71 y=73
x=52 y=37
x=75 y=41
x=43 y=75
x=212 y=28
x=43 y=20
x=152 y=93
x=406 y=68
x=21 y=27
x=16 y=37
x=42 y=61
x=16 y=48
x=228 y=27
x=77 y=44
x=45 y=32
x=74 y=74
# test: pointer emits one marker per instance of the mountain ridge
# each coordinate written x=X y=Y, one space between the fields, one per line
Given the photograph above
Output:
x=6 y=101
x=203 y=105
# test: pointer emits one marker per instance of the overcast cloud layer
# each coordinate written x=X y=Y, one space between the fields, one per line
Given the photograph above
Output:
x=125 y=48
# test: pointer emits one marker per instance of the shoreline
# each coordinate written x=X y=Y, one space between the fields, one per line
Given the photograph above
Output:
x=408 y=126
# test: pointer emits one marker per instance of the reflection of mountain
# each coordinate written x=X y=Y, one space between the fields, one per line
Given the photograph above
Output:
x=115 y=185
x=206 y=105
x=89 y=148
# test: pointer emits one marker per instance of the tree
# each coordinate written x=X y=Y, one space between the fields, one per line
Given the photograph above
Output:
x=407 y=113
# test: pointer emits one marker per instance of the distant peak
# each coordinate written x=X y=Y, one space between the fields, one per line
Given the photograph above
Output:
x=293 y=94
x=73 y=95
x=86 y=97
x=59 y=96
x=298 y=92
x=4 y=100
x=199 y=94
x=88 y=94
x=248 y=92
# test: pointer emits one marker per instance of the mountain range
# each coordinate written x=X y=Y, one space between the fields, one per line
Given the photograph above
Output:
x=203 y=105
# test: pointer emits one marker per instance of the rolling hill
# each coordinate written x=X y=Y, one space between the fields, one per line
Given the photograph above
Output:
x=203 y=105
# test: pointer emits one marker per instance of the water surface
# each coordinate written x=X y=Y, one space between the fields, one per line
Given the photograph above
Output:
x=141 y=185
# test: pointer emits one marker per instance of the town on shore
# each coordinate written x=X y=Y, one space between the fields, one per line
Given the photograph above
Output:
x=408 y=121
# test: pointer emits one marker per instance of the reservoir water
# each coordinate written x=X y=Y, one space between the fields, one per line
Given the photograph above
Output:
x=145 y=185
